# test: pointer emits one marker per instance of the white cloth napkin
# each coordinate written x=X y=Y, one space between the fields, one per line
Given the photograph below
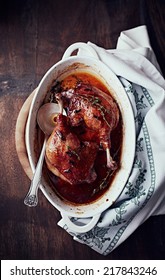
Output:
x=144 y=193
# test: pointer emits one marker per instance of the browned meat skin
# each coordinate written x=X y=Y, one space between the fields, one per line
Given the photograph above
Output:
x=68 y=157
x=90 y=107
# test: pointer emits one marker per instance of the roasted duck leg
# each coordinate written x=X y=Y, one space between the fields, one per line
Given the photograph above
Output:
x=69 y=158
x=96 y=112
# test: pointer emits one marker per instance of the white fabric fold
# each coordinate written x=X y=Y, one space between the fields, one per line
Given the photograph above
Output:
x=144 y=194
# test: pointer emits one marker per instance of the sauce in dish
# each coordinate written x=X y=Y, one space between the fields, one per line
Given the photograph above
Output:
x=83 y=153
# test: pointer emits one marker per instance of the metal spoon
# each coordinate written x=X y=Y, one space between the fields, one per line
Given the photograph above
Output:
x=45 y=120
x=31 y=198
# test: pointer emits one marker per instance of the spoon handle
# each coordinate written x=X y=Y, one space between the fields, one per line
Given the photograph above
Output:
x=31 y=198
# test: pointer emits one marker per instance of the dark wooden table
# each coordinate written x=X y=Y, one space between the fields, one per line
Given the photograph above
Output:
x=33 y=36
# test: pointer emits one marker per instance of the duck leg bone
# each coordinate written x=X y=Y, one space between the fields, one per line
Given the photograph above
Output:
x=110 y=162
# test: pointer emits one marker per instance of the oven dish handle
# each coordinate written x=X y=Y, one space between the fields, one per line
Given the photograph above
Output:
x=80 y=46
x=78 y=228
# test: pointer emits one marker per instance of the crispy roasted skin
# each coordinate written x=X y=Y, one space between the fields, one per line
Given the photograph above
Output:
x=68 y=157
x=73 y=145
x=95 y=111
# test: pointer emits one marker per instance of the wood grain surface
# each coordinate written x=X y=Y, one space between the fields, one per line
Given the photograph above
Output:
x=33 y=36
